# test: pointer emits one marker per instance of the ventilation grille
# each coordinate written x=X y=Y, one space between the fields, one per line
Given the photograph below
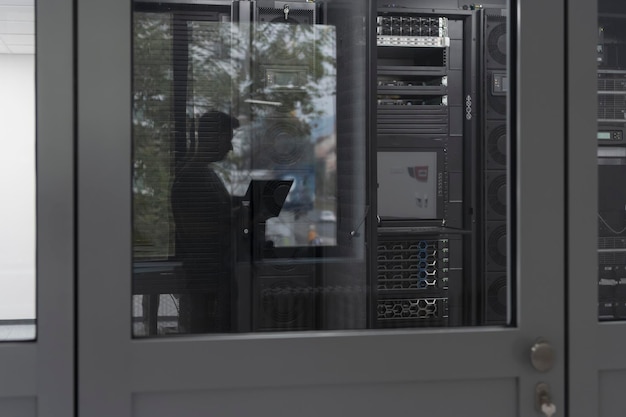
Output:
x=496 y=245
x=496 y=296
x=412 y=265
x=285 y=303
x=496 y=42
x=612 y=258
x=411 y=26
x=612 y=96
x=496 y=195
x=612 y=243
x=612 y=107
x=612 y=82
x=496 y=144
x=412 y=308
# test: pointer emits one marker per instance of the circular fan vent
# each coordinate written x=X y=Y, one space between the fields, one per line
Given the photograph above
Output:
x=283 y=303
x=285 y=143
x=496 y=296
x=496 y=195
x=496 y=245
x=496 y=144
x=496 y=44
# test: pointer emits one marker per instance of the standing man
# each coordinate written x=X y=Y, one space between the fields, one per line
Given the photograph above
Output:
x=202 y=211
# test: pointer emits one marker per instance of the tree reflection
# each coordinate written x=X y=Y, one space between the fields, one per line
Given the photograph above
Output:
x=279 y=80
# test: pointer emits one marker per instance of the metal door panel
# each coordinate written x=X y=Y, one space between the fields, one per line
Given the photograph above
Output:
x=611 y=391
x=367 y=400
x=124 y=377
x=38 y=376
x=18 y=406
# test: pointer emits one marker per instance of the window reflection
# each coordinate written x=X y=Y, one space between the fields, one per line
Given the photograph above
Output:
x=292 y=172
x=611 y=59
x=17 y=171
x=235 y=173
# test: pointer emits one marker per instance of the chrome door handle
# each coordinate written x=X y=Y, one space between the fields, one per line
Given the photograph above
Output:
x=542 y=356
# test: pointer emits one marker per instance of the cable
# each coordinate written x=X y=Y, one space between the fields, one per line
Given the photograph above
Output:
x=355 y=232
x=609 y=226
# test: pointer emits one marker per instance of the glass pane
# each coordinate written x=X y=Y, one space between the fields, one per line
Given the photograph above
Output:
x=612 y=159
x=17 y=170
x=279 y=185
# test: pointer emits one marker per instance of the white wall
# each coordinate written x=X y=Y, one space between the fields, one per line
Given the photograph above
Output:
x=17 y=187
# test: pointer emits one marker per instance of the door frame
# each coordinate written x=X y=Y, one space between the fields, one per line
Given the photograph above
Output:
x=113 y=367
x=39 y=374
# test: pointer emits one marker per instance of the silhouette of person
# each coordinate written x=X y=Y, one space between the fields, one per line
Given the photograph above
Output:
x=202 y=211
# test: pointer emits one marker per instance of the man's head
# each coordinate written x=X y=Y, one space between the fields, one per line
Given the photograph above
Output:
x=215 y=133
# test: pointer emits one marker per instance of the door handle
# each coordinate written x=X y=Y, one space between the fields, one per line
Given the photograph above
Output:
x=542 y=356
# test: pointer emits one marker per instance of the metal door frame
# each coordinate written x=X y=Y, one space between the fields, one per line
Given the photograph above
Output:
x=38 y=376
x=112 y=367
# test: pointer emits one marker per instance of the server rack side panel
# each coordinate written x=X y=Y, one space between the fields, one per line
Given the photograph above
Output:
x=470 y=294
x=492 y=164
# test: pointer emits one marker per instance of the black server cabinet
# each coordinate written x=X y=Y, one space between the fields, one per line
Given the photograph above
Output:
x=421 y=268
x=282 y=291
x=305 y=286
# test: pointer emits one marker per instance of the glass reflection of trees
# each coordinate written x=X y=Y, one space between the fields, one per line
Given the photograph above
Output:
x=286 y=74
x=152 y=134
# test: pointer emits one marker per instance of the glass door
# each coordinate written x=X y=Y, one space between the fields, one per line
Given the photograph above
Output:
x=281 y=202
x=596 y=149
x=237 y=172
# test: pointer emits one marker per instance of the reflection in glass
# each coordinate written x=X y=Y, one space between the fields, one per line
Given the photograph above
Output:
x=289 y=174
x=295 y=135
x=235 y=171
x=17 y=171
x=611 y=60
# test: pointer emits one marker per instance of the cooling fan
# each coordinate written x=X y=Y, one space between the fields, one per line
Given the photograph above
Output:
x=496 y=145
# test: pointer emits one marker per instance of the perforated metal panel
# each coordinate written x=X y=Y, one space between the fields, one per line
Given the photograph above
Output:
x=412 y=281
x=412 y=308
x=612 y=96
x=412 y=265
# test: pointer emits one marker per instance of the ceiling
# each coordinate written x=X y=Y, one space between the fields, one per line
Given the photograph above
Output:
x=17 y=27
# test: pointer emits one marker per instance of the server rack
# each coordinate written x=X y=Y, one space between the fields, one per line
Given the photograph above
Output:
x=422 y=268
x=611 y=161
